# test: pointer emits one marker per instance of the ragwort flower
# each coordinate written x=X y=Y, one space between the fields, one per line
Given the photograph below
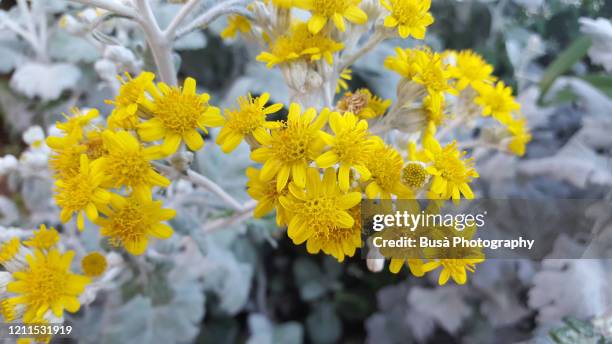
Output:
x=411 y=17
x=334 y=10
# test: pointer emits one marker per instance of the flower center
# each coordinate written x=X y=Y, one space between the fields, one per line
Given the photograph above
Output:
x=351 y=146
x=129 y=224
x=327 y=8
x=247 y=119
x=353 y=102
x=179 y=112
x=129 y=93
x=76 y=194
x=95 y=147
x=414 y=175
x=449 y=162
x=128 y=168
x=291 y=143
x=46 y=284
x=407 y=12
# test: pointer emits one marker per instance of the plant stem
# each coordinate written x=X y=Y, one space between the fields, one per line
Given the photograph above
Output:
x=170 y=31
x=242 y=215
x=112 y=6
x=223 y=8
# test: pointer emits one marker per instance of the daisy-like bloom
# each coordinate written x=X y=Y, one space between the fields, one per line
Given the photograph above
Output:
x=267 y=196
x=433 y=73
x=497 y=101
x=248 y=120
x=385 y=164
x=12 y=255
x=300 y=43
x=47 y=284
x=350 y=147
x=414 y=175
x=345 y=76
x=176 y=116
x=454 y=261
x=286 y=152
x=93 y=264
x=131 y=92
x=411 y=17
x=43 y=239
x=82 y=193
x=403 y=63
x=363 y=104
x=128 y=163
x=74 y=125
x=132 y=221
x=471 y=70
x=321 y=215
x=451 y=172
x=334 y=10
x=520 y=136
x=236 y=23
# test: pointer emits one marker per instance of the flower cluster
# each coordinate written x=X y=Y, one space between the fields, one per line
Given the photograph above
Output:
x=105 y=171
x=38 y=285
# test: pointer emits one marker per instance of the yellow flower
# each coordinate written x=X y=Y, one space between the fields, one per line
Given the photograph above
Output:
x=520 y=136
x=285 y=4
x=363 y=104
x=403 y=63
x=66 y=156
x=286 y=152
x=334 y=10
x=350 y=147
x=451 y=172
x=248 y=120
x=236 y=23
x=267 y=196
x=321 y=215
x=176 y=115
x=47 y=284
x=74 y=125
x=93 y=264
x=43 y=239
x=132 y=92
x=300 y=43
x=345 y=75
x=9 y=251
x=471 y=70
x=414 y=175
x=133 y=220
x=128 y=163
x=454 y=261
x=82 y=193
x=497 y=101
x=411 y=17
x=432 y=72
x=385 y=164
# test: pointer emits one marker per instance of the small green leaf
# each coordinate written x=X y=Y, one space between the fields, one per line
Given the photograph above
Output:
x=564 y=62
x=602 y=82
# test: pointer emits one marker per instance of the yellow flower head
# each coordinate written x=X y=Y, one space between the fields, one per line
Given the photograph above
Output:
x=133 y=220
x=128 y=163
x=433 y=73
x=132 y=92
x=363 y=104
x=286 y=152
x=43 y=239
x=300 y=43
x=411 y=17
x=176 y=116
x=454 y=261
x=415 y=175
x=471 y=70
x=47 y=284
x=334 y=10
x=236 y=23
x=9 y=250
x=451 y=172
x=74 y=125
x=321 y=215
x=248 y=120
x=520 y=136
x=385 y=164
x=82 y=193
x=403 y=63
x=345 y=75
x=350 y=147
x=267 y=196
x=497 y=101
x=65 y=160
x=93 y=264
